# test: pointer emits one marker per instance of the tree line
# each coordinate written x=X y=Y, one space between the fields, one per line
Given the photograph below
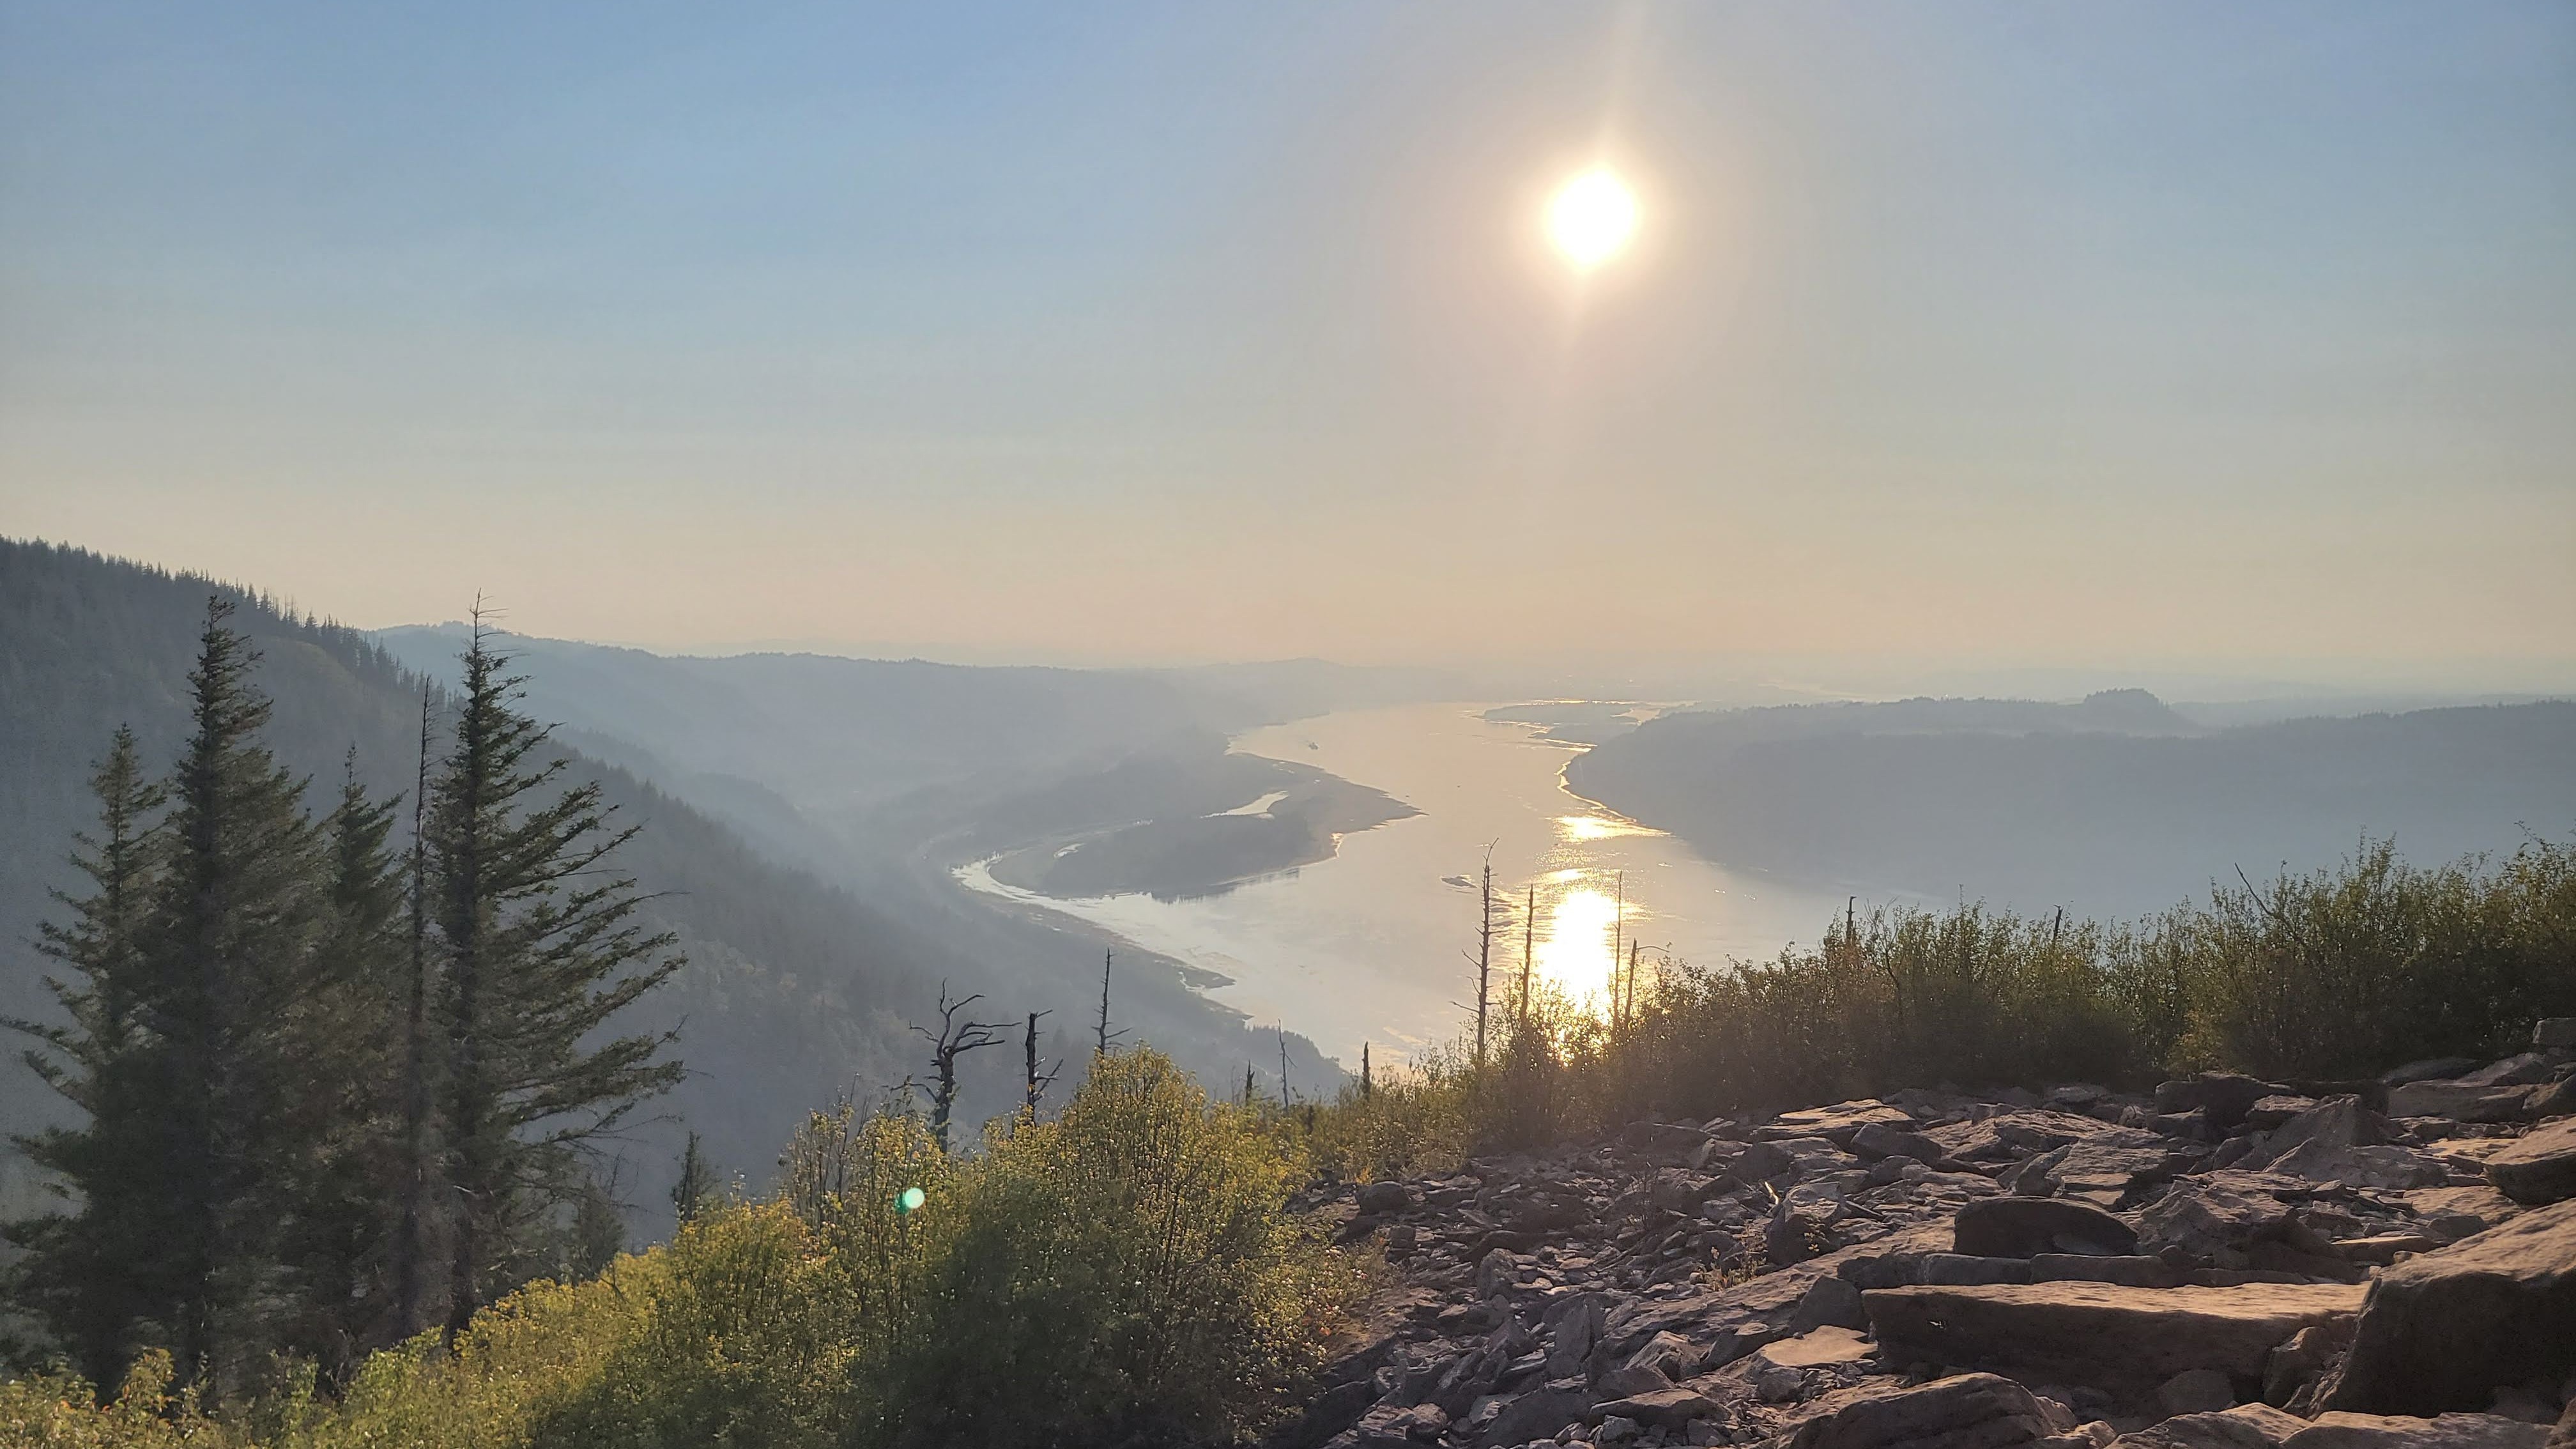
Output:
x=335 y=1086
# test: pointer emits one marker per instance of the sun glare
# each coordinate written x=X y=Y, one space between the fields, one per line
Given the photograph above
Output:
x=1592 y=218
x=1574 y=955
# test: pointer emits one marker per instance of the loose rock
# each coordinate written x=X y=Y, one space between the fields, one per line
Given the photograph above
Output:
x=2023 y=1227
x=2540 y=1168
x=2443 y=1331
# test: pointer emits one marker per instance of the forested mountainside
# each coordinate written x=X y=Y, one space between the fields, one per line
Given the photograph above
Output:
x=2114 y=805
x=806 y=970
x=792 y=988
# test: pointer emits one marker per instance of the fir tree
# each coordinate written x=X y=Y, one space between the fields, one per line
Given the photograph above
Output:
x=228 y=961
x=538 y=947
x=79 y=1270
x=699 y=1187
x=348 y=1124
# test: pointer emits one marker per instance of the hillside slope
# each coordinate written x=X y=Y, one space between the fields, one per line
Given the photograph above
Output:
x=798 y=987
x=2114 y=806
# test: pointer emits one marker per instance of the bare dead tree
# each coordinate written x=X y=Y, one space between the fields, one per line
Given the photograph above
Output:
x=1484 y=953
x=1107 y=1038
x=954 y=1039
x=1284 y=1097
x=1529 y=949
x=1366 y=1086
x=1035 y=1081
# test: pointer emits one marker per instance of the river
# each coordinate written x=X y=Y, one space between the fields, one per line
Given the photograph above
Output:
x=1378 y=943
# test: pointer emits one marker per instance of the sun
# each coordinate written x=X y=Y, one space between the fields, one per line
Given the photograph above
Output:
x=1592 y=218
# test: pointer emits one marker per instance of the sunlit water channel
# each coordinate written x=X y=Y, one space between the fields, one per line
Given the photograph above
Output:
x=1377 y=944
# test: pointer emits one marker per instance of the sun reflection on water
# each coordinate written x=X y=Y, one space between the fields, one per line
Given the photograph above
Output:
x=1574 y=954
x=1580 y=828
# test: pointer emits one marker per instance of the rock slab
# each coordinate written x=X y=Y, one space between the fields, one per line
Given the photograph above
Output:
x=2540 y=1168
x=2024 y=1227
x=2125 y=1341
x=2442 y=1331
x=1971 y=1411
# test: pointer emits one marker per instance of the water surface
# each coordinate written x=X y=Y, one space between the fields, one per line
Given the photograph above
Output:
x=1378 y=943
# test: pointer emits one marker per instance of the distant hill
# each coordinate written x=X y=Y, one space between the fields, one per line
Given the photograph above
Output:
x=2114 y=805
x=796 y=988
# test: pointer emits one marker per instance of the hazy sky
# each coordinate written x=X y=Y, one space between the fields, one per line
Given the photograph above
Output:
x=2035 y=332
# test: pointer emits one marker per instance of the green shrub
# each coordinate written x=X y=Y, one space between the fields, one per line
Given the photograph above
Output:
x=744 y=1343
x=1123 y=1274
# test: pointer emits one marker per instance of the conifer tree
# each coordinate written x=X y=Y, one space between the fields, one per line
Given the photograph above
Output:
x=413 y=1175
x=699 y=1186
x=228 y=955
x=78 y=1273
x=348 y=1124
x=538 y=946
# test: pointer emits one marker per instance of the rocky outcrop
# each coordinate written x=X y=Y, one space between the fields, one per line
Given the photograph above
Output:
x=2208 y=1267
x=1971 y=1411
x=2125 y=1341
x=2540 y=1168
x=2444 y=1330
x=2246 y=1426
x=2447 y=1431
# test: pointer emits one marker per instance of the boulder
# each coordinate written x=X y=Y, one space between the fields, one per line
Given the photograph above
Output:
x=2555 y=1100
x=2212 y=1217
x=2247 y=1426
x=2459 y=1101
x=2557 y=1032
x=1816 y=1349
x=2540 y=1168
x=2105 y=1167
x=2526 y=1070
x=2295 y=1365
x=1759 y=1162
x=1388 y=1426
x=1668 y=1354
x=2196 y=1391
x=2340 y=1430
x=2453 y=1213
x=1677 y=1191
x=1538 y=1414
x=2225 y=1097
x=1877 y=1140
x=1831 y=1301
x=2023 y=1227
x=2336 y=1122
x=2271 y=1112
x=1578 y=1325
x=1838 y=1124
x=1971 y=1411
x=2442 y=1331
x=2386 y=1169
x=2431 y=1069
x=2123 y=1341
x=1671 y=1407
x=1384 y=1197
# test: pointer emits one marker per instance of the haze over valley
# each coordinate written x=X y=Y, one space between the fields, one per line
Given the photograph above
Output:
x=1313 y=727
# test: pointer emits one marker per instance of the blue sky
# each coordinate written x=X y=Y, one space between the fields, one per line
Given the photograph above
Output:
x=2194 y=333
